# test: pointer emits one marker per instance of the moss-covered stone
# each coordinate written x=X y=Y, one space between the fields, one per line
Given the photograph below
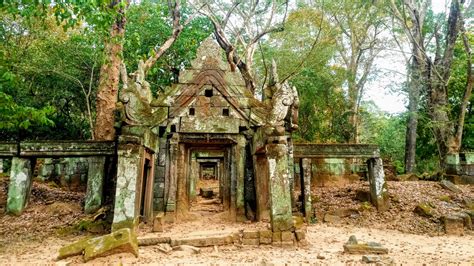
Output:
x=424 y=209
x=20 y=185
x=123 y=240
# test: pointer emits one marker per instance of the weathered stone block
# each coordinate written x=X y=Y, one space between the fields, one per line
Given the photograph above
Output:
x=450 y=186
x=453 y=225
x=95 y=184
x=123 y=240
x=250 y=241
x=20 y=185
x=300 y=234
x=204 y=241
x=250 y=235
x=276 y=237
x=266 y=237
x=287 y=236
x=353 y=246
x=158 y=222
x=424 y=209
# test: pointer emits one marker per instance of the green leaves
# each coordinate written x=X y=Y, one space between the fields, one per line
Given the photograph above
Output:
x=14 y=117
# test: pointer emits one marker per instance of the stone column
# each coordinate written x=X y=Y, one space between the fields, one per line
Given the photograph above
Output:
x=280 y=198
x=95 y=184
x=129 y=171
x=193 y=176
x=291 y=168
x=172 y=178
x=306 y=186
x=20 y=185
x=240 y=178
x=1 y=166
x=378 y=187
x=182 y=204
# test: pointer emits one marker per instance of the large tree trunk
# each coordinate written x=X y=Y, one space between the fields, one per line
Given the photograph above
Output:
x=109 y=81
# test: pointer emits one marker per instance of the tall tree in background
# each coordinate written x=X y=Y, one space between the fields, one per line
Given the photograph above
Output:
x=434 y=74
x=411 y=16
x=360 y=25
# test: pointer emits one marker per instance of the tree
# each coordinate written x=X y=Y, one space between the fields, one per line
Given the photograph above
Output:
x=437 y=72
x=359 y=43
x=411 y=15
x=240 y=25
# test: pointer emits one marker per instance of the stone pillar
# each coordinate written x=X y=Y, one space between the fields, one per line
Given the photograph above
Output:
x=378 y=187
x=305 y=173
x=159 y=179
x=240 y=178
x=20 y=185
x=1 y=166
x=172 y=177
x=95 y=184
x=262 y=187
x=129 y=166
x=453 y=164
x=280 y=198
x=182 y=201
x=291 y=168
x=193 y=176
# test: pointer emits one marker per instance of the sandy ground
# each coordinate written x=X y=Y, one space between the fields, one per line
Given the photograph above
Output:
x=33 y=239
x=325 y=248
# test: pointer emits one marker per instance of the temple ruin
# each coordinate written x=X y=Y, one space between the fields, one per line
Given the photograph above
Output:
x=206 y=128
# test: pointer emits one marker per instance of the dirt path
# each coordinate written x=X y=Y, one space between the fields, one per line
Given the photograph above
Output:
x=325 y=241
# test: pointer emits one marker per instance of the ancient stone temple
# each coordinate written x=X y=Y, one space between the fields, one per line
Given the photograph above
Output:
x=207 y=134
x=208 y=121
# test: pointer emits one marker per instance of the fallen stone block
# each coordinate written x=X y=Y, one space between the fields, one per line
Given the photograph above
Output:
x=453 y=225
x=123 y=240
x=353 y=246
x=450 y=186
x=424 y=209
x=74 y=249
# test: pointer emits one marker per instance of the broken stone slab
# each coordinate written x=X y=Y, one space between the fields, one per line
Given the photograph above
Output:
x=450 y=186
x=165 y=248
x=353 y=246
x=123 y=240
